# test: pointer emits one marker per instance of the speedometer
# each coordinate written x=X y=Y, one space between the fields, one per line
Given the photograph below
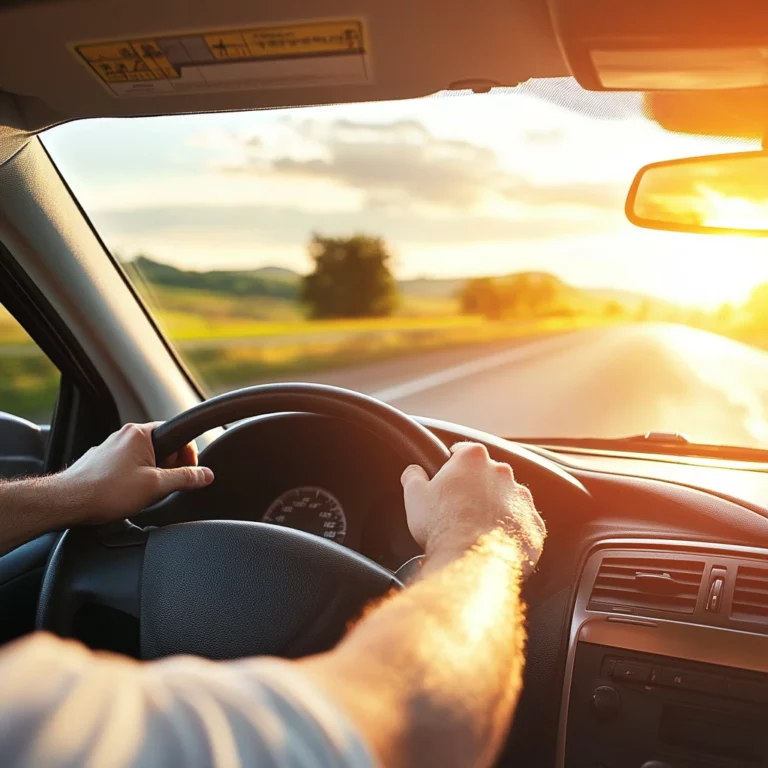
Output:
x=309 y=509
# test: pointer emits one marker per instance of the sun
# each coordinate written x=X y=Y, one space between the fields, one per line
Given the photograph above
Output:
x=730 y=212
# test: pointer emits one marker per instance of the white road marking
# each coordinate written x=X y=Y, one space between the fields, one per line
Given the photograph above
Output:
x=437 y=379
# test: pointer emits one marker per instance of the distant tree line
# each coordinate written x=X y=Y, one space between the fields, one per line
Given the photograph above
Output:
x=352 y=277
x=527 y=294
x=231 y=283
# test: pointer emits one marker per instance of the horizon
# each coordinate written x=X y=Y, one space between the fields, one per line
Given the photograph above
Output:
x=450 y=278
x=514 y=184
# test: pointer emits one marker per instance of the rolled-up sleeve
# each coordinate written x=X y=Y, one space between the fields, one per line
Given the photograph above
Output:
x=63 y=705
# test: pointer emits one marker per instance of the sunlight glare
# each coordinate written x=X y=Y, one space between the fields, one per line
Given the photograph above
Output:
x=731 y=212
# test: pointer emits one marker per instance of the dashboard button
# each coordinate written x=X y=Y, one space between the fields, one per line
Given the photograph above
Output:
x=631 y=672
x=606 y=702
x=691 y=681
x=714 y=596
x=674 y=678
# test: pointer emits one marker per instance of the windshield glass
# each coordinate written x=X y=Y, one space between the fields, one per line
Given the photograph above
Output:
x=463 y=257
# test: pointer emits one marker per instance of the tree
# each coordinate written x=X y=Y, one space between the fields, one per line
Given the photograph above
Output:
x=351 y=278
x=523 y=295
x=481 y=296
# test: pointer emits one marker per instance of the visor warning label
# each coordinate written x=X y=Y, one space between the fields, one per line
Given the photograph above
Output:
x=290 y=55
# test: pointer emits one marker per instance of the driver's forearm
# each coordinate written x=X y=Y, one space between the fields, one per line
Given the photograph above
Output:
x=433 y=675
x=31 y=507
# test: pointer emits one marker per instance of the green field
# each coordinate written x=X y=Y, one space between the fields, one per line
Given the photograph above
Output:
x=234 y=328
x=222 y=367
x=233 y=341
x=229 y=342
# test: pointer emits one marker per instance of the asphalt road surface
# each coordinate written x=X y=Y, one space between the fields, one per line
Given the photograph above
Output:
x=606 y=382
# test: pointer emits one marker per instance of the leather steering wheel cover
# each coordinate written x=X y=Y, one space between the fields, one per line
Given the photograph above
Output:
x=406 y=436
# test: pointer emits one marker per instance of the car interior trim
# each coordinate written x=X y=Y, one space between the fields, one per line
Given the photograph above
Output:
x=681 y=640
x=42 y=229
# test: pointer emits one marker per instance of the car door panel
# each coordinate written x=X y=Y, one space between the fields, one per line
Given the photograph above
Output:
x=22 y=447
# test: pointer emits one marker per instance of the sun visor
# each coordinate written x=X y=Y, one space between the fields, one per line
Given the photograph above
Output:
x=75 y=58
x=648 y=45
x=740 y=113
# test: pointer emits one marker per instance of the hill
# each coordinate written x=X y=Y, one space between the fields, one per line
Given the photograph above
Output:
x=272 y=282
x=438 y=288
x=267 y=293
x=271 y=292
x=281 y=274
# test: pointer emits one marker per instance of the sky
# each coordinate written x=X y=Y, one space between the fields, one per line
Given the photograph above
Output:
x=457 y=186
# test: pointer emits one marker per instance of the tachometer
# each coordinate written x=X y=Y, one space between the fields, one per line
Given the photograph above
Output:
x=309 y=509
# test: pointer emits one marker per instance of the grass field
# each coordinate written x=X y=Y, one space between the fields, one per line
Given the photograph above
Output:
x=230 y=343
x=222 y=367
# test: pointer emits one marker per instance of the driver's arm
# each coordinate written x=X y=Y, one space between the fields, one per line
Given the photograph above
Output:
x=112 y=481
x=432 y=676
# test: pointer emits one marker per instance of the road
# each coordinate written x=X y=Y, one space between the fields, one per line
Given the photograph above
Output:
x=605 y=382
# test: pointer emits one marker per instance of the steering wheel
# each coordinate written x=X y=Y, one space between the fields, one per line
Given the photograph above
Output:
x=226 y=589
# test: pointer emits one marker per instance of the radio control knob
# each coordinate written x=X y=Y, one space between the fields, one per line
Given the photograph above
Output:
x=606 y=702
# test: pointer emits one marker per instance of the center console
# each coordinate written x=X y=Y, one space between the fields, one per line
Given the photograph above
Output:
x=668 y=658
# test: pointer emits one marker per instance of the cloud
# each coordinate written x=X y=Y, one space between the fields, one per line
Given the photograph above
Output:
x=286 y=226
x=604 y=196
x=400 y=163
x=393 y=163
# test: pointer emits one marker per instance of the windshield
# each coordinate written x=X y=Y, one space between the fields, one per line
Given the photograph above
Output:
x=464 y=257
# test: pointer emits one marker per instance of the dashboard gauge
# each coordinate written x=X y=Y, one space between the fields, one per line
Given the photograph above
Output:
x=309 y=509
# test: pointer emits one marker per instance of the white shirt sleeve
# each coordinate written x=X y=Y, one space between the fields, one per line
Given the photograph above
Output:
x=63 y=705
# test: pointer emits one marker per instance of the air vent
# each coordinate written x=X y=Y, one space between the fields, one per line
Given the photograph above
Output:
x=661 y=584
x=750 y=595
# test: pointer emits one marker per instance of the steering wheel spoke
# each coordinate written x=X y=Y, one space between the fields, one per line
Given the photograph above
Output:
x=83 y=570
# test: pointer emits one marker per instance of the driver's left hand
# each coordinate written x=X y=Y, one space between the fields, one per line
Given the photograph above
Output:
x=119 y=478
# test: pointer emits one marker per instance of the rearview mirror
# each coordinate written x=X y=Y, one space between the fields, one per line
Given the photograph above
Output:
x=716 y=194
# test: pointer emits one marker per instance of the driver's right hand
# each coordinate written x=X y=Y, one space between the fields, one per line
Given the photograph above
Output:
x=470 y=497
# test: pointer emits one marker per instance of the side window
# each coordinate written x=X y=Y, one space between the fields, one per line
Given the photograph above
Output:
x=29 y=382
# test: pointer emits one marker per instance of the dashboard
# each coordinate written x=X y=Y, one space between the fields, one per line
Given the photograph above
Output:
x=614 y=678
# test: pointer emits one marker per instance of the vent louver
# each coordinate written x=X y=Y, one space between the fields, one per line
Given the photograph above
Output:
x=661 y=584
x=750 y=595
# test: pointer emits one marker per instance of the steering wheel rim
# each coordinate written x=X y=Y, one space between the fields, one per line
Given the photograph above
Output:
x=400 y=431
x=157 y=576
